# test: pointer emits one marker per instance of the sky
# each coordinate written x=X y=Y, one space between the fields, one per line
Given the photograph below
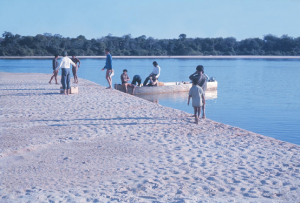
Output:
x=161 y=19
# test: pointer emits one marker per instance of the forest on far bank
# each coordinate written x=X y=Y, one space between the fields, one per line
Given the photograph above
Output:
x=47 y=44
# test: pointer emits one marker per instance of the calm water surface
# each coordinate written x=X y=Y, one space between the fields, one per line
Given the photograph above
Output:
x=256 y=94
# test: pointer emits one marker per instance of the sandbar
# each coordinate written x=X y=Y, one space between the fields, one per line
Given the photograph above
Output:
x=107 y=146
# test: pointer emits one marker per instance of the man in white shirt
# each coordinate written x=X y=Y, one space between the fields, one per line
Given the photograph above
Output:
x=65 y=72
x=155 y=73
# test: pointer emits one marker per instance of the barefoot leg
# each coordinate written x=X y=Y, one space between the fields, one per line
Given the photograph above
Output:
x=203 y=111
x=133 y=89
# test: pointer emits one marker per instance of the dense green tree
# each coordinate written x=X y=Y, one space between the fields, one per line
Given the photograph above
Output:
x=47 y=44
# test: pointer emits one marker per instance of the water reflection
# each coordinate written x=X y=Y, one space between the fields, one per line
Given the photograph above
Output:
x=179 y=97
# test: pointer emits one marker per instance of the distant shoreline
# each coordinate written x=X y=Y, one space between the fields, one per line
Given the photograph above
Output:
x=159 y=57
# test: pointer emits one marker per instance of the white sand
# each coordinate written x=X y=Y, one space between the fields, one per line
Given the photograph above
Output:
x=106 y=146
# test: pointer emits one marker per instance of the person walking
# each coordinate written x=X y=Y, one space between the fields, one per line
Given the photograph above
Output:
x=55 y=64
x=108 y=67
x=65 y=72
x=75 y=69
x=155 y=73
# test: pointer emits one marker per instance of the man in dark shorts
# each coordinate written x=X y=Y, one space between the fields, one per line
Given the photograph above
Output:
x=125 y=79
x=55 y=64
x=202 y=82
x=75 y=69
x=136 y=79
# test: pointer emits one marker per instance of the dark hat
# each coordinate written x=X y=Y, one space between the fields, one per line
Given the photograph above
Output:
x=65 y=53
x=125 y=70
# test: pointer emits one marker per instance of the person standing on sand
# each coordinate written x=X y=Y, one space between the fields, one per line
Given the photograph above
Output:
x=55 y=64
x=65 y=72
x=202 y=82
x=125 y=84
x=75 y=69
x=196 y=93
x=108 y=67
x=155 y=73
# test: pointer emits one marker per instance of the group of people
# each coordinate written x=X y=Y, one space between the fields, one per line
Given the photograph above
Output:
x=137 y=80
x=153 y=77
x=65 y=71
x=197 y=91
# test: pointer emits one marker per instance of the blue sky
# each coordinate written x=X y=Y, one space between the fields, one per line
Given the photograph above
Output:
x=154 y=18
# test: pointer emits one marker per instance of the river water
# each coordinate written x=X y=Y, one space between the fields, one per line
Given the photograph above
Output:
x=259 y=95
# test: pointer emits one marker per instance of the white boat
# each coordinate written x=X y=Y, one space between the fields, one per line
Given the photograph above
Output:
x=166 y=87
x=178 y=97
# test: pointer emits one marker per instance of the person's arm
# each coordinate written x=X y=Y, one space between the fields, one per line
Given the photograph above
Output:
x=151 y=81
x=191 y=76
x=203 y=99
x=128 y=78
x=58 y=67
x=190 y=95
x=79 y=63
x=158 y=71
x=71 y=62
x=107 y=63
x=122 y=78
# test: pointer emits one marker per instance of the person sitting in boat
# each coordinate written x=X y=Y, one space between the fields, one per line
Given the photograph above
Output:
x=125 y=84
x=153 y=81
x=202 y=82
x=155 y=73
x=136 y=79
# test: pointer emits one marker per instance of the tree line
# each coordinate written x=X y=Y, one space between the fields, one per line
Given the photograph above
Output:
x=47 y=44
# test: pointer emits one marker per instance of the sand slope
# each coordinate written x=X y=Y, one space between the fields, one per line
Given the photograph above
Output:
x=106 y=146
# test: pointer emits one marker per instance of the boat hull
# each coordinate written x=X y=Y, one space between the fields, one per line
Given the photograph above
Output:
x=171 y=87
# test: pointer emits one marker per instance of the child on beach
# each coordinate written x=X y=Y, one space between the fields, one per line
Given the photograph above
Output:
x=196 y=93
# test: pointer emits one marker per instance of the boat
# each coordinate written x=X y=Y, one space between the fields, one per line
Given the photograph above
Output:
x=178 y=97
x=166 y=87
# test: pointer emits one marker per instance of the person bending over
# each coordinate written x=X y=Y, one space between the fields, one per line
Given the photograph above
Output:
x=155 y=73
x=125 y=84
x=198 y=99
x=75 y=69
x=55 y=64
x=136 y=79
x=108 y=66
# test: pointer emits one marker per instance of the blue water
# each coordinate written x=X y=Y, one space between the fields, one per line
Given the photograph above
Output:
x=259 y=95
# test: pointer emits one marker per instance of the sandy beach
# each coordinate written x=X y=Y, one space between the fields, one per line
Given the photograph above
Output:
x=160 y=57
x=107 y=146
